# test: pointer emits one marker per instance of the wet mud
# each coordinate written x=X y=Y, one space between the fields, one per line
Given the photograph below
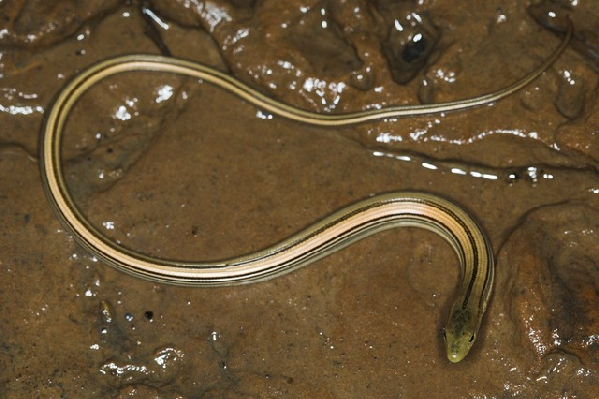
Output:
x=179 y=169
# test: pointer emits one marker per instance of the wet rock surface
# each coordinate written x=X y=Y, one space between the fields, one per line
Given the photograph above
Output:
x=177 y=168
x=27 y=23
x=552 y=282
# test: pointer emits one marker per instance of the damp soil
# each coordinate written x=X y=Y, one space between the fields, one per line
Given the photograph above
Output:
x=179 y=169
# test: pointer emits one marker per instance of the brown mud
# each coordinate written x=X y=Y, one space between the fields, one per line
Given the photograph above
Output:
x=178 y=168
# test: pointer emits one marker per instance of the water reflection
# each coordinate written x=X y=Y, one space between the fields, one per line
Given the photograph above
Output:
x=533 y=174
x=14 y=100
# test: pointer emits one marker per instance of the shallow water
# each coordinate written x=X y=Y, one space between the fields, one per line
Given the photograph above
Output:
x=177 y=168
